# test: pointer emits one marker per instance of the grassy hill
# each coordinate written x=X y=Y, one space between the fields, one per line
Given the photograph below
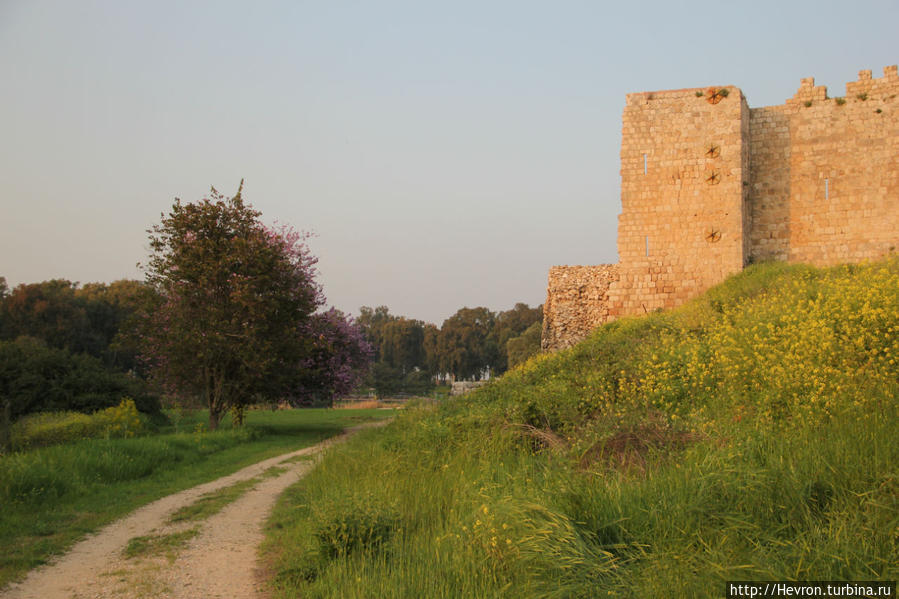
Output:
x=750 y=435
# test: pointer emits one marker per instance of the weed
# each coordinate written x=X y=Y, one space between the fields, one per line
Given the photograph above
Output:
x=212 y=503
x=273 y=472
x=298 y=458
x=167 y=544
x=360 y=527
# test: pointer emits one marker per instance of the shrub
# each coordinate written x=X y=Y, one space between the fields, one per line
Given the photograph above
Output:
x=53 y=428
x=358 y=526
x=37 y=378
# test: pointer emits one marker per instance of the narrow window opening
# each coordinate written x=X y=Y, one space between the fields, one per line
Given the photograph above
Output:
x=647 y=245
x=644 y=164
x=826 y=189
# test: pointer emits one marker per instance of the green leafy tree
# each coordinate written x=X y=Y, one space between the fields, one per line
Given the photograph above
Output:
x=80 y=319
x=232 y=298
x=519 y=349
x=373 y=321
x=402 y=344
x=465 y=346
x=52 y=312
x=385 y=379
x=511 y=324
x=430 y=344
x=37 y=378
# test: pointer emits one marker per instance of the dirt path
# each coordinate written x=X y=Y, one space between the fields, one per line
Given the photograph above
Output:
x=220 y=561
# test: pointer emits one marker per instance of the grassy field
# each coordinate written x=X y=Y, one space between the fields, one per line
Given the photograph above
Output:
x=750 y=435
x=52 y=496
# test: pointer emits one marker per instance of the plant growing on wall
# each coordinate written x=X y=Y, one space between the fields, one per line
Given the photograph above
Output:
x=715 y=95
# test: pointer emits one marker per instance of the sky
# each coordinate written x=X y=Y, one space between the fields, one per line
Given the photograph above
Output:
x=445 y=154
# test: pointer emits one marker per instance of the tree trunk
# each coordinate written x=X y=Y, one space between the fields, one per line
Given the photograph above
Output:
x=215 y=392
x=214 y=417
x=5 y=425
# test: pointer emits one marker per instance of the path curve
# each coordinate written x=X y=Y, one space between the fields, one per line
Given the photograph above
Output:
x=221 y=561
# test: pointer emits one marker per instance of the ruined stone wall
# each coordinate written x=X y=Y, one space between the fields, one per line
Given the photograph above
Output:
x=708 y=184
x=576 y=303
x=825 y=173
x=682 y=196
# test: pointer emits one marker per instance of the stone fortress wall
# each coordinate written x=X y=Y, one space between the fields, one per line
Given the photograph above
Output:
x=709 y=185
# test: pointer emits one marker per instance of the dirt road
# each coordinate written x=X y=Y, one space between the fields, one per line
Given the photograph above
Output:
x=219 y=560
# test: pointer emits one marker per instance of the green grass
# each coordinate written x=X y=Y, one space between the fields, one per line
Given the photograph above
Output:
x=168 y=544
x=52 y=496
x=273 y=472
x=297 y=458
x=750 y=435
x=212 y=503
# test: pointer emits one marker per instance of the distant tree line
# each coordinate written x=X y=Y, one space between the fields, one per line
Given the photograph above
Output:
x=230 y=313
x=61 y=349
x=472 y=344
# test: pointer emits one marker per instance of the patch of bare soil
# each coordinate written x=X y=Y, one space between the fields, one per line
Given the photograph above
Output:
x=220 y=560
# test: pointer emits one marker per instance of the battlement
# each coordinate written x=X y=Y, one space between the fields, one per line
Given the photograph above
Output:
x=709 y=184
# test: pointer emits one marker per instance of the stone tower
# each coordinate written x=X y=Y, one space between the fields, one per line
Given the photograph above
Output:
x=684 y=190
x=709 y=185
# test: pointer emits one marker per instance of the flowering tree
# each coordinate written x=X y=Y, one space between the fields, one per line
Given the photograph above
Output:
x=231 y=297
x=339 y=358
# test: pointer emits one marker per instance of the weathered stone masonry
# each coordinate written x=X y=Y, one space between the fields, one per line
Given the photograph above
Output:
x=709 y=184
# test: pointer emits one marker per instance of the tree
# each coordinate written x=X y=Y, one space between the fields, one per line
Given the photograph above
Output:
x=372 y=320
x=37 y=378
x=404 y=363
x=50 y=311
x=80 y=319
x=511 y=324
x=402 y=344
x=519 y=349
x=232 y=298
x=339 y=358
x=431 y=346
x=465 y=346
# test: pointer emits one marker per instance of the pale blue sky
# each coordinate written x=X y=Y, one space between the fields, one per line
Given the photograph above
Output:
x=446 y=154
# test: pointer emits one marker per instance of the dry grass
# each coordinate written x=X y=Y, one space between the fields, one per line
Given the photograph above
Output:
x=371 y=404
x=629 y=450
x=539 y=438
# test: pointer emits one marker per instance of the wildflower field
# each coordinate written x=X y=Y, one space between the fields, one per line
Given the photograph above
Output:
x=750 y=435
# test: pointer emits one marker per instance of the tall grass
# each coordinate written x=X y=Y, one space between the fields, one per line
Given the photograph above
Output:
x=749 y=435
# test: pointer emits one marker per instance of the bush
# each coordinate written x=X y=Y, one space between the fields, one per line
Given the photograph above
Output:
x=36 y=378
x=53 y=428
x=363 y=527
